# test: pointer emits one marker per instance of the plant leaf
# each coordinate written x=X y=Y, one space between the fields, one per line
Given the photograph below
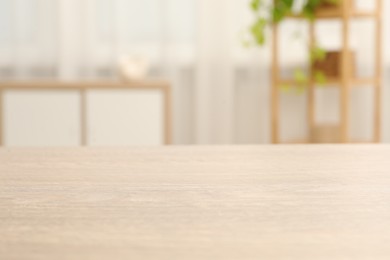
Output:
x=285 y=88
x=300 y=77
x=255 y=5
x=281 y=9
x=258 y=31
x=319 y=77
x=317 y=54
x=300 y=89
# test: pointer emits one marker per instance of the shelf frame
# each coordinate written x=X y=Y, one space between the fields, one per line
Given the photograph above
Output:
x=346 y=81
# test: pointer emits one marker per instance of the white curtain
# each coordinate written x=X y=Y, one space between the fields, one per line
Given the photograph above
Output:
x=221 y=90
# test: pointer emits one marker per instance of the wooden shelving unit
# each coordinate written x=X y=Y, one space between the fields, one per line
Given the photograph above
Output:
x=345 y=82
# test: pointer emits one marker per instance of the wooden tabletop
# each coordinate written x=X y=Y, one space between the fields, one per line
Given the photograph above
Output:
x=249 y=202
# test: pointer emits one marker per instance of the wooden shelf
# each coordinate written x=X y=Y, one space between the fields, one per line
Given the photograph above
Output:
x=333 y=81
x=337 y=14
x=355 y=141
x=365 y=14
x=306 y=141
x=325 y=133
x=331 y=133
x=297 y=141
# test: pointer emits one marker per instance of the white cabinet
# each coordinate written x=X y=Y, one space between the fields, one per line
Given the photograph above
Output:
x=117 y=117
x=44 y=118
x=125 y=117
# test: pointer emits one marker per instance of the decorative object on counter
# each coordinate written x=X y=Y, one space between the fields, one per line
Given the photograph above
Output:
x=133 y=68
x=331 y=64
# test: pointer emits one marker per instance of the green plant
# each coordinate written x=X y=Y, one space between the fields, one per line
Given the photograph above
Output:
x=268 y=14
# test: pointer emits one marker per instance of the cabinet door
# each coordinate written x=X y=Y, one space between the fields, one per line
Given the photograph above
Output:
x=114 y=118
x=41 y=118
x=125 y=117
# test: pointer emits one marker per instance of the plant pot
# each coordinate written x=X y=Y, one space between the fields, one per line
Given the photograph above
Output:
x=331 y=65
x=328 y=6
x=333 y=7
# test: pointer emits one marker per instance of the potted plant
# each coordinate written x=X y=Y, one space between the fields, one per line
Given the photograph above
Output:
x=323 y=64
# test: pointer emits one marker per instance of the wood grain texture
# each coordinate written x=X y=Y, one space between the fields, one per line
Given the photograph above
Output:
x=266 y=202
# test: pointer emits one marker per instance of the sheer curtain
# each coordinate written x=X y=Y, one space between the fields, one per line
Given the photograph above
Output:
x=221 y=90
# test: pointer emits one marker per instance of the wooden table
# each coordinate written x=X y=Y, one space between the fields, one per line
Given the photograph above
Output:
x=265 y=202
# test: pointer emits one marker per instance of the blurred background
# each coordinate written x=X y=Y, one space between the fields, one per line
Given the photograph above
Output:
x=220 y=88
